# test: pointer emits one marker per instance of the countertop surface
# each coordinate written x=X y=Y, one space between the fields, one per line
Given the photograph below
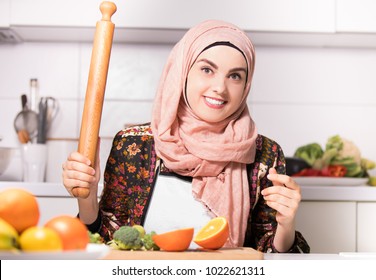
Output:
x=309 y=193
x=231 y=254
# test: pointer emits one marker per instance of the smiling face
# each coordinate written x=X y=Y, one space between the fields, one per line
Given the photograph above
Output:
x=216 y=82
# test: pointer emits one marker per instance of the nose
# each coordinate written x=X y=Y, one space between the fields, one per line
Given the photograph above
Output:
x=219 y=84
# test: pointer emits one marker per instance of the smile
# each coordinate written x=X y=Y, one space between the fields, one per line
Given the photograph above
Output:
x=214 y=101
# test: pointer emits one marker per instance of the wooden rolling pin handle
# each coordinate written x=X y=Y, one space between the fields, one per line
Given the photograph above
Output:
x=107 y=10
x=91 y=116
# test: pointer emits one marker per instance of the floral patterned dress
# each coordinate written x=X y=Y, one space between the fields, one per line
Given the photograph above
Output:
x=132 y=168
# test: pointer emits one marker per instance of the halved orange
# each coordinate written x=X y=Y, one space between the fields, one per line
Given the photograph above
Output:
x=176 y=240
x=214 y=234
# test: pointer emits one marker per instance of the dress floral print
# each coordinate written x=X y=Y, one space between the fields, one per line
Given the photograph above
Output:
x=132 y=168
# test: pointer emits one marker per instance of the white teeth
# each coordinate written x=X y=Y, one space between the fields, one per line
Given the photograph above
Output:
x=214 y=101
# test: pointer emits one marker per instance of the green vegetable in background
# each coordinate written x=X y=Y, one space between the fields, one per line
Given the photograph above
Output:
x=338 y=151
x=310 y=153
x=348 y=155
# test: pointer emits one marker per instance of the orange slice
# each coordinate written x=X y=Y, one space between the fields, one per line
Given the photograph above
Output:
x=176 y=240
x=214 y=234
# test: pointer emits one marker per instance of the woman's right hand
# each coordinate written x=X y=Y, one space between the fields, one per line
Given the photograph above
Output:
x=77 y=172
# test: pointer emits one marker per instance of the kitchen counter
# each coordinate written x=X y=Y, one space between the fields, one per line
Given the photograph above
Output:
x=309 y=193
x=340 y=256
x=338 y=193
x=231 y=254
x=40 y=189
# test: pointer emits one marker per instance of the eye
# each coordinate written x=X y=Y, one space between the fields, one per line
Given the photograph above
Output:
x=206 y=70
x=236 y=76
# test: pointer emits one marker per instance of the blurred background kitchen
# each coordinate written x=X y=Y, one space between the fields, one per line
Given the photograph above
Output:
x=314 y=76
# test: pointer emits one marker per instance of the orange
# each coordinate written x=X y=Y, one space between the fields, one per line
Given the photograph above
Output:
x=176 y=240
x=214 y=234
x=19 y=208
x=40 y=239
x=71 y=230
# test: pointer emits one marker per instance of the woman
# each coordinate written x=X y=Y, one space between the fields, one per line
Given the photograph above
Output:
x=200 y=157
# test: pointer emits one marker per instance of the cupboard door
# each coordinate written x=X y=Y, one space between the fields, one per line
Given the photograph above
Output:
x=50 y=207
x=4 y=13
x=356 y=16
x=254 y=15
x=366 y=235
x=329 y=227
x=290 y=16
x=59 y=13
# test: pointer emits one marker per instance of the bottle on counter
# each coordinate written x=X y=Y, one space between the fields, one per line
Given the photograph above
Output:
x=34 y=94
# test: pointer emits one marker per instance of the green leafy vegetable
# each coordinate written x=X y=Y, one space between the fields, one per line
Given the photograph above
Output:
x=127 y=238
x=95 y=238
x=338 y=152
x=310 y=153
x=133 y=238
x=148 y=242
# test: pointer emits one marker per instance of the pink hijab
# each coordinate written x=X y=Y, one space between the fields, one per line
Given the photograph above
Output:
x=215 y=155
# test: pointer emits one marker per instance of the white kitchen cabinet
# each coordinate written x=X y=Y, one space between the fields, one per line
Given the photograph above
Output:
x=366 y=235
x=167 y=20
x=6 y=34
x=50 y=207
x=251 y=15
x=267 y=15
x=4 y=13
x=356 y=16
x=329 y=227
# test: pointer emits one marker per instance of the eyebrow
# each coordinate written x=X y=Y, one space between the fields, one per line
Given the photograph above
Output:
x=211 y=63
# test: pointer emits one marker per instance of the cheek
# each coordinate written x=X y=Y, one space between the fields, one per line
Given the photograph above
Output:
x=237 y=94
x=194 y=87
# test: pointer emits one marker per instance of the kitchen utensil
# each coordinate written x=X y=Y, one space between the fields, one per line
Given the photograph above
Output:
x=34 y=159
x=52 y=109
x=23 y=136
x=48 y=108
x=26 y=119
x=42 y=118
x=95 y=90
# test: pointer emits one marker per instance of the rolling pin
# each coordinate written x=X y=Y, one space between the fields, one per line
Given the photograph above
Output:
x=96 y=85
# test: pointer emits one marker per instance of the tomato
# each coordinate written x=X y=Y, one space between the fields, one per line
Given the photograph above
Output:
x=308 y=172
x=71 y=230
x=40 y=239
x=337 y=170
x=330 y=171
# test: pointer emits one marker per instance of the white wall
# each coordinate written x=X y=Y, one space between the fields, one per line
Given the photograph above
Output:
x=299 y=95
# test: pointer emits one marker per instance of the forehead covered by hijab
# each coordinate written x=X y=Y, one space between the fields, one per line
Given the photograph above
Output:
x=209 y=32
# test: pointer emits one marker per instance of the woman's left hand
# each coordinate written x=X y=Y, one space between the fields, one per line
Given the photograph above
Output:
x=284 y=196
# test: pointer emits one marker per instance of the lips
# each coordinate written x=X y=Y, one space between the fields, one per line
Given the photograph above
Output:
x=214 y=103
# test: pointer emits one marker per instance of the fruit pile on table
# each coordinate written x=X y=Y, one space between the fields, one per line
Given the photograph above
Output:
x=19 y=230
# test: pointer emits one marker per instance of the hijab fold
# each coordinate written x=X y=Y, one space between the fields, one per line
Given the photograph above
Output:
x=214 y=154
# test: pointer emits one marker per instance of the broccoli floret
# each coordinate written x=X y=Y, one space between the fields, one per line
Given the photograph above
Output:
x=140 y=229
x=95 y=238
x=148 y=242
x=310 y=152
x=127 y=238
